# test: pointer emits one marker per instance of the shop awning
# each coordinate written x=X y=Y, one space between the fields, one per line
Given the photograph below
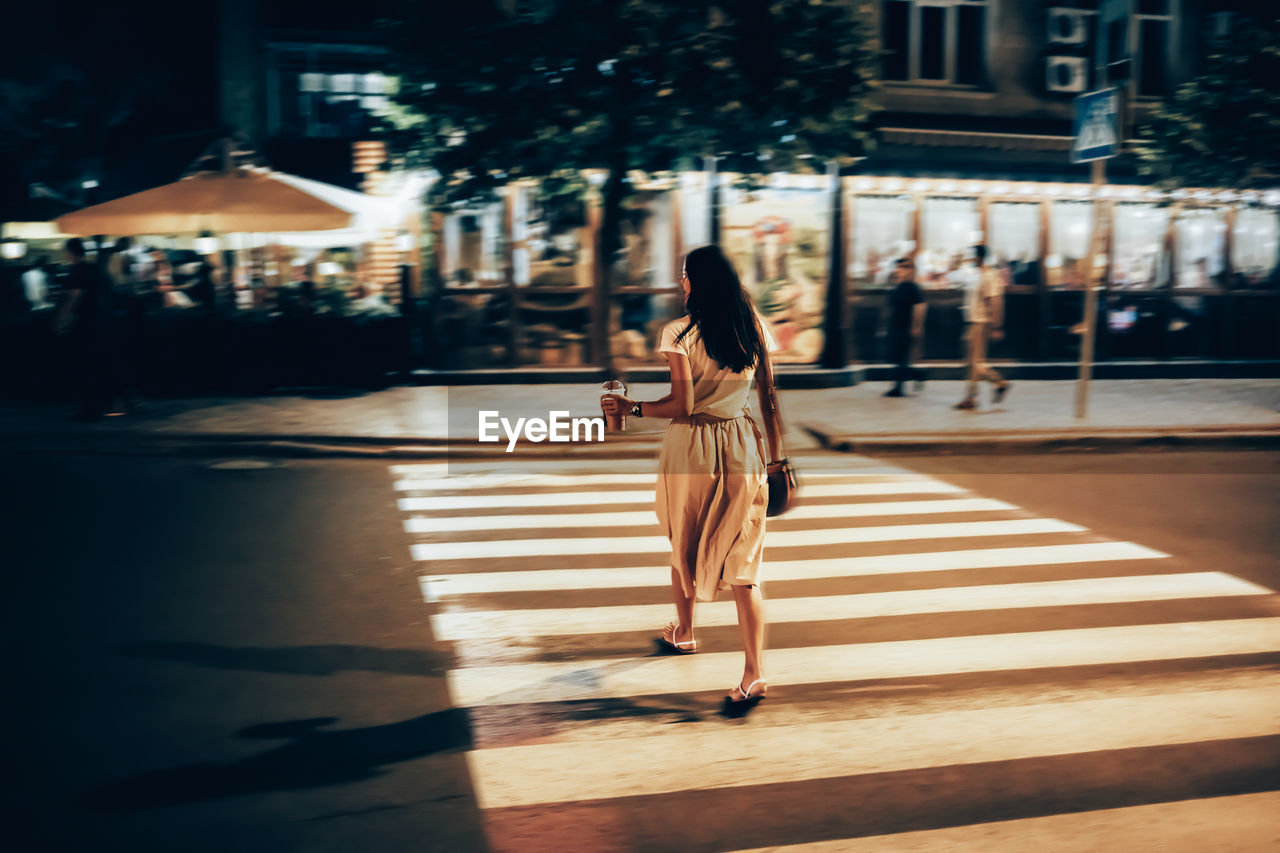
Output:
x=248 y=199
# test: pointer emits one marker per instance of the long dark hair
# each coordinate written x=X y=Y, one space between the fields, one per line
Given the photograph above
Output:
x=720 y=308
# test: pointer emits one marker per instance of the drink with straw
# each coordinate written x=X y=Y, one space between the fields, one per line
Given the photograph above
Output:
x=614 y=387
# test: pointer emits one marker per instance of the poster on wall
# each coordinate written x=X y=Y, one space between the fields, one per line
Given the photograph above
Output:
x=777 y=240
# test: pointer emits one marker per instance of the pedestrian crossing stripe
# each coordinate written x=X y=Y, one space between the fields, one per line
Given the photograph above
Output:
x=499 y=548
x=779 y=571
x=588 y=499
x=471 y=625
x=647 y=518
x=446 y=472
x=488 y=481
x=733 y=756
x=613 y=678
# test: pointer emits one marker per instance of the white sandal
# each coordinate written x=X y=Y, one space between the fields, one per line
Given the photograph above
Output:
x=746 y=694
x=672 y=646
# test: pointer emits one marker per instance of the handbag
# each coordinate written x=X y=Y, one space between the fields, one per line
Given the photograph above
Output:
x=783 y=487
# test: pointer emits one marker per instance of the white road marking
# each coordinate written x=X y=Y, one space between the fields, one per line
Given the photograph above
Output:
x=498 y=548
x=524 y=468
x=571 y=498
x=792 y=570
x=429 y=587
x=470 y=625
x=647 y=518
x=1243 y=823
x=565 y=681
x=515 y=480
x=730 y=756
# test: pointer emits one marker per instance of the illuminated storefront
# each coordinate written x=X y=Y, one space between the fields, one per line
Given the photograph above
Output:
x=1191 y=273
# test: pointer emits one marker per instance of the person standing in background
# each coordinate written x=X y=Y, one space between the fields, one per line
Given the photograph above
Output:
x=35 y=284
x=906 y=326
x=130 y=319
x=86 y=313
x=984 y=314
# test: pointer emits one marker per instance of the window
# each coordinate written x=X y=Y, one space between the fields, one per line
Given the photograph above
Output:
x=1200 y=257
x=1139 y=261
x=1070 y=230
x=777 y=239
x=1255 y=249
x=336 y=104
x=881 y=234
x=949 y=228
x=1014 y=237
x=1151 y=50
x=935 y=41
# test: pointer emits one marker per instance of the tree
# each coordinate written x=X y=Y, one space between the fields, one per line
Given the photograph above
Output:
x=504 y=90
x=1220 y=129
x=87 y=96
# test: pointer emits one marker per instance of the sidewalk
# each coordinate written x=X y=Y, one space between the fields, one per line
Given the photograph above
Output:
x=430 y=421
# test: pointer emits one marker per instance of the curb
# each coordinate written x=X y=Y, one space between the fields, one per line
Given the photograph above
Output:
x=303 y=448
x=808 y=376
x=1109 y=442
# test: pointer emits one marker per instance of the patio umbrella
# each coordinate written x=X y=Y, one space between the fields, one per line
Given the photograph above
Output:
x=239 y=200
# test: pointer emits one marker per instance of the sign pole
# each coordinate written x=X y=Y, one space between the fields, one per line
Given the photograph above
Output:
x=1099 y=131
x=1091 y=293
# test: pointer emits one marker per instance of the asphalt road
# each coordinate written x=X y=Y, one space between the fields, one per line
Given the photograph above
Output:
x=222 y=658
x=212 y=659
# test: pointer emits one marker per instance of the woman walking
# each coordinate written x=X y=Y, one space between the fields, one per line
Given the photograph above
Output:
x=712 y=488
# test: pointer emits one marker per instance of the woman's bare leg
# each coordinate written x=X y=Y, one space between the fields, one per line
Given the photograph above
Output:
x=751 y=623
x=683 y=632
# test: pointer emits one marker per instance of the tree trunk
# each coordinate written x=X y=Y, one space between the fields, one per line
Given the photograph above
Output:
x=607 y=245
x=834 y=351
x=713 y=200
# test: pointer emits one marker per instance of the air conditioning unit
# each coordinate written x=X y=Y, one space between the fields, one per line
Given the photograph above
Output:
x=1067 y=26
x=1066 y=73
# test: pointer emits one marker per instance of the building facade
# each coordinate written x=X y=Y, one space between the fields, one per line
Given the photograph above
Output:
x=974 y=141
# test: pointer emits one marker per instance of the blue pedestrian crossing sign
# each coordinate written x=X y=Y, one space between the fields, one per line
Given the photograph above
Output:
x=1097 y=126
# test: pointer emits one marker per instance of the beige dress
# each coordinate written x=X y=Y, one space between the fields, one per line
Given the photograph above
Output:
x=712 y=490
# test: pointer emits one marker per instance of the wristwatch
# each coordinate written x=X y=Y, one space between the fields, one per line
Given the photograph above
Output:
x=635 y=411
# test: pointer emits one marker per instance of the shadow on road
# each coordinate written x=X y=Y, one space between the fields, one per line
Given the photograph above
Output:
x=298 y=660
x=311 y=759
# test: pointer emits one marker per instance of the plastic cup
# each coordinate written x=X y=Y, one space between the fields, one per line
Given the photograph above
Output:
x=613 y=387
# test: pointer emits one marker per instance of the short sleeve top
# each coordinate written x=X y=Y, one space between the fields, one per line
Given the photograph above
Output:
x=717 y=391
x=983 y=285
x=906 y=295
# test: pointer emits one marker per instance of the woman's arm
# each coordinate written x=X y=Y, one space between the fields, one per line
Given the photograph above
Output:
x=769 y=412
x=677 y=404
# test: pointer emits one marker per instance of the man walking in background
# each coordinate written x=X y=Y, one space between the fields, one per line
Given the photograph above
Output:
x=906 y=325
x=984 y=314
